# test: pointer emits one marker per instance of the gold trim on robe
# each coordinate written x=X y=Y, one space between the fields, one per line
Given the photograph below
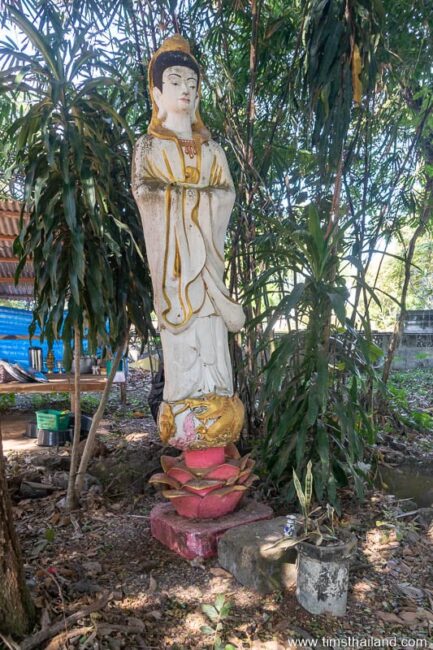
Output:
x=185 y=212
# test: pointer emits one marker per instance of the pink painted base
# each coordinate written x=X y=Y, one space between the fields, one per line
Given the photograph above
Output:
x=206 y=483
x=192 y=539
x=204 y=457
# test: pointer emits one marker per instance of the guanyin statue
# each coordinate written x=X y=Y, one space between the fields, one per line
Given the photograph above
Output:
x=185 y=194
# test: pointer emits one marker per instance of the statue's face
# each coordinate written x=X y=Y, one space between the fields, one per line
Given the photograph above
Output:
x=179 y=91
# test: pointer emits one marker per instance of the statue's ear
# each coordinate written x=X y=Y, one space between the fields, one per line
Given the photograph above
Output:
x=194 y=112
x=157 y=96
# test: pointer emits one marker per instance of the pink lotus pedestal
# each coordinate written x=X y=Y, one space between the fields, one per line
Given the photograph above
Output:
x=199 y=538
x=206 y=483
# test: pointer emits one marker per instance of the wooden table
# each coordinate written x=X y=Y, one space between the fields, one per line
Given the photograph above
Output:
x=62 y=383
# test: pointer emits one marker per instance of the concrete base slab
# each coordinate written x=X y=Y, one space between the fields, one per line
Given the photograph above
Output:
x=198 y=538
x=250 y=554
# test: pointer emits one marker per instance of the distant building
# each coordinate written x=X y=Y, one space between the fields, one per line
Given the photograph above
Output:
x=416 y=347
x=10 y=214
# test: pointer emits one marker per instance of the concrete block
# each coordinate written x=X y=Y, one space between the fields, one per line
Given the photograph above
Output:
x=250 y=554
x=198 y=538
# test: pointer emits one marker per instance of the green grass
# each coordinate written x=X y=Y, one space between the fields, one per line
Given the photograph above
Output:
x=412 y=390
x=7 y=401
x=89 y=403
x=48 y=400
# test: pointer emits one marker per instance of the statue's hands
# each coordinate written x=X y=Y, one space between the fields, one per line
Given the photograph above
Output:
x=144 y=186
x=189 y=186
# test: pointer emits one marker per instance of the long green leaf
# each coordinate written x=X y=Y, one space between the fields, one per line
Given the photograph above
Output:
x=40 y=43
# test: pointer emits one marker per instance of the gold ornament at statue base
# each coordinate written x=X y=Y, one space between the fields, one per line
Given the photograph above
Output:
x=201 y=422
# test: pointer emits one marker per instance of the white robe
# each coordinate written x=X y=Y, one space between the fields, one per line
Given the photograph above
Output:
x=185 y=214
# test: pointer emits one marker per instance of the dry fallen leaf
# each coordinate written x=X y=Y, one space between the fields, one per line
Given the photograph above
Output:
x=425 y=614
x=152 y=585
x=408 y=617
x=39 y=602
x=45 y=618
x=55 y=518
x=267 y=645
x=220 y=573
x=67 y=573
x=92 y=568
x=410 y=591
x=388 y=617
x=136 y=623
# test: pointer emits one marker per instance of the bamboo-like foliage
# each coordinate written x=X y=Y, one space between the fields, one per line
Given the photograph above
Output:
x=341 y=40
x=74 y=147
x=315 y=375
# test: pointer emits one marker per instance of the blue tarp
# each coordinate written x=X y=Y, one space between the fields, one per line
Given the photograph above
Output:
x=15 y=322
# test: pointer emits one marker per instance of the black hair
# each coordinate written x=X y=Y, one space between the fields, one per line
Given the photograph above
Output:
x=166 y=60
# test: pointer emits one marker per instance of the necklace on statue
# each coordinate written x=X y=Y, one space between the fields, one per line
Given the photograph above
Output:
x=189 y=147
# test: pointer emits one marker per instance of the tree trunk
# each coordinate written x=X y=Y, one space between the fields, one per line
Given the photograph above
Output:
x=71 y=498
x=330 y=235
x=398 y=328
x=90 y=442
x=16 y=607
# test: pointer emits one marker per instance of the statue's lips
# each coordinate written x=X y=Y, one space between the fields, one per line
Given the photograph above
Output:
x=185 y=99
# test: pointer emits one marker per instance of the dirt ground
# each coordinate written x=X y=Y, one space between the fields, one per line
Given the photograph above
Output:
x=148 y=597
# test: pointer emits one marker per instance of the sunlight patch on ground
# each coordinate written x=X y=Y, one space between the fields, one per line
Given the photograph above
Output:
x=362 y=590
x=12 y=429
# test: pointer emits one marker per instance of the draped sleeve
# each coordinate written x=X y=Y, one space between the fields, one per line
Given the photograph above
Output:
x=184 y=226
x=218 y=203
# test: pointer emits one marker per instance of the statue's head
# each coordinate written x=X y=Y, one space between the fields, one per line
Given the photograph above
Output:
x=174 y=81
x=175 y=84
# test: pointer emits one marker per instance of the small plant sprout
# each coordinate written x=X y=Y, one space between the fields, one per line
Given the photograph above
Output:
x=304 y=496
x=217 y=613
x=318 y=523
